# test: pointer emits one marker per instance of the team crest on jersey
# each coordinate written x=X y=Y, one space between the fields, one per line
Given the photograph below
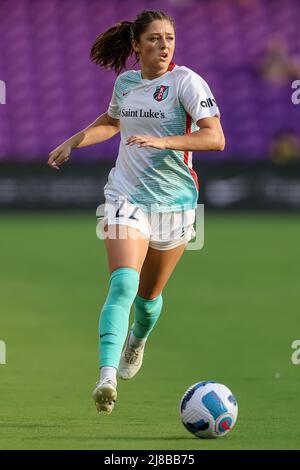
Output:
x=161 y=93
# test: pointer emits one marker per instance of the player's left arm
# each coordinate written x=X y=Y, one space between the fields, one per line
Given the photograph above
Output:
x=210 y=136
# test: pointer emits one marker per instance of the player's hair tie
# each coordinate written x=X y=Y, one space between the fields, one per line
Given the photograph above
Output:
x=131 y=30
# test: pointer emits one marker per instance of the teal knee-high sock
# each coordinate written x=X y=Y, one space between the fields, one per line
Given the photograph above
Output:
x=146 y=315
x=113 y=322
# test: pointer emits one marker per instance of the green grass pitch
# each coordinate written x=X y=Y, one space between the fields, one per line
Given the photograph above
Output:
x=231 y=313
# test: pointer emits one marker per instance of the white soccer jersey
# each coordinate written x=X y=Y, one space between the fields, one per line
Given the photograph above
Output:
x=158 y=180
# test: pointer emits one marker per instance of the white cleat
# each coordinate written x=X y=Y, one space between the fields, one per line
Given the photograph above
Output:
x=105 y=395
x=131 y=361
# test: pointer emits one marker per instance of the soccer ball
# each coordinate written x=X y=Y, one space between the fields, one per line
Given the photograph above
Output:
x=208 y=409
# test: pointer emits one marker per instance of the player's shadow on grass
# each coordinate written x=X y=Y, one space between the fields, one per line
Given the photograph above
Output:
x=149 y=438
x=17 y=425
x=88 y=438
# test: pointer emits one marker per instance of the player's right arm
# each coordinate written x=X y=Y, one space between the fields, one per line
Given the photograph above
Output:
x=103 y=128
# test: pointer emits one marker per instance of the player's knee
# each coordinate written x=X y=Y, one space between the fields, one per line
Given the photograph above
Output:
x=149 y=294
x=149 y=305
x=124 y=284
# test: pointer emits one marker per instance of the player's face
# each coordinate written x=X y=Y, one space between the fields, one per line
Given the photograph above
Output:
x=156 y=46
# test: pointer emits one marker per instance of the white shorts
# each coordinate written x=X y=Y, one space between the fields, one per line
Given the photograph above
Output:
x=165 y=230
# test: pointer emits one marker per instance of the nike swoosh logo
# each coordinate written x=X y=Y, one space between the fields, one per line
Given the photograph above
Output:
x=125 y=93
x=101 y=336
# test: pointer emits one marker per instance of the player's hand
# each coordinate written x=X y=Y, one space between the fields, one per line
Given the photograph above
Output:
x=60 y=155
x=147 y=141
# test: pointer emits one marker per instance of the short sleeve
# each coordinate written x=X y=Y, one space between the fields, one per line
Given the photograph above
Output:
x=113 y=108
x=196 y=96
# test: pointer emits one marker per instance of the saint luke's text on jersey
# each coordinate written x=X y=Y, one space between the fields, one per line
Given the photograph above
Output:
x=142 y=113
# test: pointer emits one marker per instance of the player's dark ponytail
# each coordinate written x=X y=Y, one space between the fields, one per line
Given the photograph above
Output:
x=113 y=47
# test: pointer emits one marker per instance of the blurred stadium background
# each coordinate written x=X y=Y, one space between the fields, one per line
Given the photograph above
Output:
x=247 y=50
x=242 y=289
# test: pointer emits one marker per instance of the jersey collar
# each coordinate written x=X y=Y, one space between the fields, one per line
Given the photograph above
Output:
x=169 y=69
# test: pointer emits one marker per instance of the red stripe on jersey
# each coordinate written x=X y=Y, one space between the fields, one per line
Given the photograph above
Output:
x=186 y=153
x=171 y=66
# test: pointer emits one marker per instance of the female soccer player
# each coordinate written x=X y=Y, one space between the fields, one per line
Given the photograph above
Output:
x=163 y=112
